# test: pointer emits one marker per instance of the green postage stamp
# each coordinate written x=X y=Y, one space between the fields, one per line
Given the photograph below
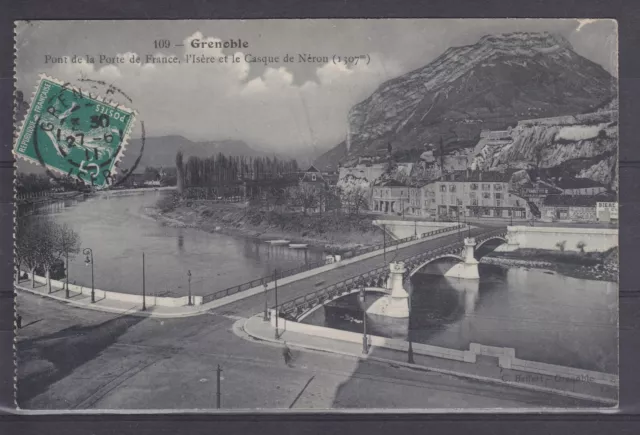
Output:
x=74 y=133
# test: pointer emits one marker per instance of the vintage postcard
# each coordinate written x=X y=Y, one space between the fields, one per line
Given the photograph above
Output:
x=390 y=215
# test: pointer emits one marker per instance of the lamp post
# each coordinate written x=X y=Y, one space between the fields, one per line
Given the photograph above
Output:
x=410 y=353
x=144 y=288
x=384 y=242
x=266 y=309
x=415 y=228
x=275 y=287
x=365 y=342
x=89 y=261
x=189 y=279
x=66 y=272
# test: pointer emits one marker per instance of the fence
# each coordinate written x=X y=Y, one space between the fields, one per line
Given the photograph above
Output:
x=305 y=267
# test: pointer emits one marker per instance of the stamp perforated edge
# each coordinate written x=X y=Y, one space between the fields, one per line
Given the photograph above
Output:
x=14 y=210
x=98 y=98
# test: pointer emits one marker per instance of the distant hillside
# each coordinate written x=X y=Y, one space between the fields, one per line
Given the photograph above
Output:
x=161 y=151
x=490 y=85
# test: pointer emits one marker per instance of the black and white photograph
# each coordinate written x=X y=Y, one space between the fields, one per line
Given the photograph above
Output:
x=316 y=214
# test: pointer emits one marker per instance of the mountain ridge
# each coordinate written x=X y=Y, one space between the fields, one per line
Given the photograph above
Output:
x=489 y=85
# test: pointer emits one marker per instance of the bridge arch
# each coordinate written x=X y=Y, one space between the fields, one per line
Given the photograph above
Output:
x=301 y=316
x=479 y=252
x=431 y=260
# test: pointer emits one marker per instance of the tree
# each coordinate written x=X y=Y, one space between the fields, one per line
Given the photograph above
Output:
x=561 y=245
x=45 y=251
x=304 y=195
x=67 y=244
x=22 y=245
x=180 y=172
x=581 y=245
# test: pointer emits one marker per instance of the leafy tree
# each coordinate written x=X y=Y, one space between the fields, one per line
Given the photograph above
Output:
x=581 y=245
x=561 y=245
x=304 y=195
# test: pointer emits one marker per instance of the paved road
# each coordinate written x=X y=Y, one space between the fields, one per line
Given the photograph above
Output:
x=254 y=304
x=70 y=358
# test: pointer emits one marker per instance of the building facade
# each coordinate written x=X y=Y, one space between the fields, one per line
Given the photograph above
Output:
x=390 y=197
x=573 y=208
x=473 y=194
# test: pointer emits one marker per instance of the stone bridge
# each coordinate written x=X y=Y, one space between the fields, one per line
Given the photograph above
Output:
x=390 y=279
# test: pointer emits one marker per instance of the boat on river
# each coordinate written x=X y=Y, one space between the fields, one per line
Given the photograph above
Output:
x=298 y=245
x=279 y=242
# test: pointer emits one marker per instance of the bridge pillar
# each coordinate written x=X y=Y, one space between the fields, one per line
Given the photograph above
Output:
x=395 y=304
x=512 y=241
x=468 y=269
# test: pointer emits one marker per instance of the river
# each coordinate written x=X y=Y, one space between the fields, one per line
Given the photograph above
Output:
x=545 y=316
x=118 y=231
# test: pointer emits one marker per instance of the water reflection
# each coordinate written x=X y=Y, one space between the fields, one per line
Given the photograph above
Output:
x=545 y=316
x=118 y=231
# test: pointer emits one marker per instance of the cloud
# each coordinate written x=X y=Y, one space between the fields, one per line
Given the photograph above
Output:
x=217 y=100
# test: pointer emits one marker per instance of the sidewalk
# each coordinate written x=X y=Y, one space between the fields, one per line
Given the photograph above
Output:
x=110 y=305
x=484 y=370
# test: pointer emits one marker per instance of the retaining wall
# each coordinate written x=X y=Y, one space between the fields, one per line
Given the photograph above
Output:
x=506 y=355
x=596 y=239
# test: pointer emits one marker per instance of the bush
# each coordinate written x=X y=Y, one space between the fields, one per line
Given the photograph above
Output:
x=580 y=245
x=561 y=245
x=168 y=202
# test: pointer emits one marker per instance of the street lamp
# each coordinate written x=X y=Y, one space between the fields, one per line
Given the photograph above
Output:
x=189 y=279
x=410 y=354
x=275 y=287
x=144 y=287
x=266 y=296
x=384 y=242
x=365 y=342
x=89 y=261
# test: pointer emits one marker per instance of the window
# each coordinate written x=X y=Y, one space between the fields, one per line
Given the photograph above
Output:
x=472 y=194
x=497 y=187
x=486 y=187
x=498 y=195
x=443 y=188
x=498 y=202
x=486 y=195
x=452 y=188
x=474 y=186
x=474 y=201
x=313 y=177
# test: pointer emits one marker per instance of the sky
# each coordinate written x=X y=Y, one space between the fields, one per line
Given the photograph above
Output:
x=278 y=106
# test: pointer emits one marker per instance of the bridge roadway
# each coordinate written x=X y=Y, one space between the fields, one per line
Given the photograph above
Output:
x=255 y=304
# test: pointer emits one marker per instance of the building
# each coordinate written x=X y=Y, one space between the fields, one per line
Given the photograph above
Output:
x=579 y=186
x=314 y=177
x=389 y=196
x=573 y=208
x=535 y=191
x=473 y=194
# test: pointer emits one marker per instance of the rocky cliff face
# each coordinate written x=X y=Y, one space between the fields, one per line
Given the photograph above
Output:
x=582 y=146
x=486 y=86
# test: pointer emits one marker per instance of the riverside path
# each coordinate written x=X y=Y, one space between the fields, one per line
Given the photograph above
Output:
x=254 y=304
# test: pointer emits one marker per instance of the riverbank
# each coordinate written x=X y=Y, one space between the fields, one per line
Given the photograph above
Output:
x=600 y=266
x=330 y=231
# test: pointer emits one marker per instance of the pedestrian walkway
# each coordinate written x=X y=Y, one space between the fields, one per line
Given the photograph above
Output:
x=111 y=305
x=485 y=369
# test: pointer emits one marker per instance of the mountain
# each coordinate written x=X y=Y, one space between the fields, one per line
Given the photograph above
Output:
x=161 y=150
x=490 y=85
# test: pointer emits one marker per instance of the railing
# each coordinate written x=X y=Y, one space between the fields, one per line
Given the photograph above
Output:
x=292 y=308
x=329 y=260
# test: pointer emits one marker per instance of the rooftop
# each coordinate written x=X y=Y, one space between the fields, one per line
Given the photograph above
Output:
x=576 y=183
x=478 y=176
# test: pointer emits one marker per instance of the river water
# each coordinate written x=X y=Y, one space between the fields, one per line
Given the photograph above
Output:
x=545 y=316
x=118 y=232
